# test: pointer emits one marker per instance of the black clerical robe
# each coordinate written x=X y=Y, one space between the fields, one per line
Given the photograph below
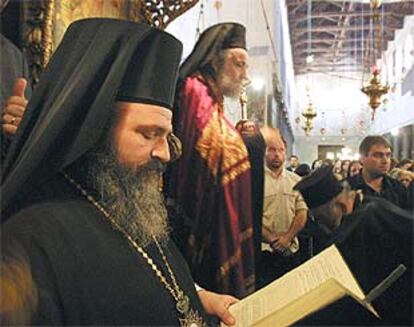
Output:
x=374 y=240
x=85 y=271
x=256 y=147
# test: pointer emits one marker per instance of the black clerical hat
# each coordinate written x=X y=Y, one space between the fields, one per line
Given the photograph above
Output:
x=152 y=75
x=319 y=187
x=235 y=37
x=214 y=39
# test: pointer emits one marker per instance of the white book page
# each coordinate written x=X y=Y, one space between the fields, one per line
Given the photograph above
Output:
x=327 y=264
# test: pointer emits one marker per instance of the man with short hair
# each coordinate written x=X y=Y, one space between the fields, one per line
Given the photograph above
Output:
x=284 y=214
x=210 y=184
x=374 y=239
x=375 y=156
x=293 y=162
x=81 y=189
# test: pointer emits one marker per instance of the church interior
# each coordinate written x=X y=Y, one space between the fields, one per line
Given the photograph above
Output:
x=309 y=61
x=323 y=77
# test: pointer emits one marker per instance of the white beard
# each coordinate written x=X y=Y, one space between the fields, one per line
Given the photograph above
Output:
x=229 y=87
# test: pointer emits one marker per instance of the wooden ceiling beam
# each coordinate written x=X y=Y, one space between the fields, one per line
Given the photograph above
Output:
x=330 y=72
x=305 y=42
x=338 y=65
x=326 y=49
x=340 y=33
x=405 y=4
x=304 y=67
x=328 y=65
x=303 y=18
x=327 y=58
x=343 y=22
x=294 y=3
x=337 y=4
x=296 y=8
x=300 y=31
x=315 y=3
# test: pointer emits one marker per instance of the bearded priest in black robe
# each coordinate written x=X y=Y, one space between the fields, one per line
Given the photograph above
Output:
x=81 y=184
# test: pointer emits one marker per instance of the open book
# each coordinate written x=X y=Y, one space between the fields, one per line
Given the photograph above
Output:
x=317 y=283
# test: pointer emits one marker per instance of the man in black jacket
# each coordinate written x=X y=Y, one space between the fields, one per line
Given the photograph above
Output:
x=375 y=152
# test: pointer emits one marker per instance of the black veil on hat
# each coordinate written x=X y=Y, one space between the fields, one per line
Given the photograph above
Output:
x=214 y=39
x=319 y=187
x=98 y=62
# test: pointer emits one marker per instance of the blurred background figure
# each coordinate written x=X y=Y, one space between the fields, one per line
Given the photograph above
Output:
x=404 y=176
x=327 y=162
x=316 y=164
x=405 y=164
x=337 y=170
x=303 y=170
x=293 y=162
x=344 y=168
x=337 y=166
x=18 y=294
x=354 y=168
x=393 y=163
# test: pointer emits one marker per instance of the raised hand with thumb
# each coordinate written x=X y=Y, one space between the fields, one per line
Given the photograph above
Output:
x=14 y=108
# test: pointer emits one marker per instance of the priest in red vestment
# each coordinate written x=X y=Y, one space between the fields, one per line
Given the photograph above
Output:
x=210 y=184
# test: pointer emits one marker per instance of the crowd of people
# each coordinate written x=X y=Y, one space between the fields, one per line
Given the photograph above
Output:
x=101 y=227
x=401 y=170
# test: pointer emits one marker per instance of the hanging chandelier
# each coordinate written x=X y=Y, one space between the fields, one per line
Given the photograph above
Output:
x=374 y=89
x=309 y=114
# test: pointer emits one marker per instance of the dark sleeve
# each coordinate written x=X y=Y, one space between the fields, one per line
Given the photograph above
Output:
x=353 y=181
x=411 y=197
x=398 y=194
x=5 y=143
x=405 y=197
x=256 y=146
x=376 y=239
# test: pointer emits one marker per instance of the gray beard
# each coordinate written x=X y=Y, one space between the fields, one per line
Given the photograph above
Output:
x=132 y=197
x=228 y=87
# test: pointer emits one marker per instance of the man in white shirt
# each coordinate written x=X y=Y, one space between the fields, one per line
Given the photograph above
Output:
x=284 y=215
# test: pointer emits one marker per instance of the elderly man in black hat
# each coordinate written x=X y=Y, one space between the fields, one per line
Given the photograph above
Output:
x=81 y=184
x=211 y=181
x=374 y=239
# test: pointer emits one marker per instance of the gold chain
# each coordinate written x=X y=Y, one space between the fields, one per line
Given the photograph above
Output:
x=177 y=294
